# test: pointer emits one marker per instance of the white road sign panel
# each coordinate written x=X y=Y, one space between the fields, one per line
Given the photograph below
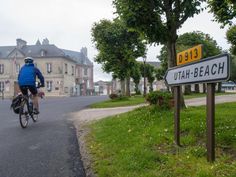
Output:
x=213 y=69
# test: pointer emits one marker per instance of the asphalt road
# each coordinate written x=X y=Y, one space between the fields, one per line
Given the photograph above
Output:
x=47 y=148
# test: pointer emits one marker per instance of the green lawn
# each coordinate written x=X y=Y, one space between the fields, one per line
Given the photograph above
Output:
x=140 y=144
x=134 y=100
x=139 y=99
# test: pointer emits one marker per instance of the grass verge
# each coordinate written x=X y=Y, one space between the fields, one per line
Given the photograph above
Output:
x=140 y=144
x=126 y=101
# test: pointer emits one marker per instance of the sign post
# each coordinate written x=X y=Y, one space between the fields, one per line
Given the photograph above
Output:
x=209 y=70
x=177 y=114
x=186 y=56
x=210 y=122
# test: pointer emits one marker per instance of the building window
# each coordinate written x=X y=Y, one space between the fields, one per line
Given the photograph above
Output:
x=66 y=89
x=66 y=68
x=1 y=86
x=1 y=68
x=73 y=70
x=43 y=53
x=85 y=71
x=49 y=67
x=49 y=86
x=17 y=68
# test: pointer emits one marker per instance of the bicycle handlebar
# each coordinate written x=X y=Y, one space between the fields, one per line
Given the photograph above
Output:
x=39 y=85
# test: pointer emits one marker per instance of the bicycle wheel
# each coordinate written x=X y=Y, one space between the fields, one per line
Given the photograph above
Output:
x=32 y=115
x=24 y=115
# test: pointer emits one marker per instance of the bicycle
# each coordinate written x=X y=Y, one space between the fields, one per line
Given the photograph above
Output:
x=26 y=111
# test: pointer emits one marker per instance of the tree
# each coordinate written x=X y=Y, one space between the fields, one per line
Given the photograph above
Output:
x=158 y=20
x=210 y=48
x=231 y=37
x=150 y=74
x=188 y=40
x=164 y=63
x=224 y=10
x=233 y=69
x=136 y=76
x=118 y=48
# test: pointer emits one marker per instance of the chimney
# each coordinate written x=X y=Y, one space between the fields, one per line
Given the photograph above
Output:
x=20 y=43
x=45 y=41
x=84 y=51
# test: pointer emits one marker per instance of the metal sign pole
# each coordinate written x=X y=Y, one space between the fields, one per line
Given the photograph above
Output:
x=177 y=114
x=211 y=122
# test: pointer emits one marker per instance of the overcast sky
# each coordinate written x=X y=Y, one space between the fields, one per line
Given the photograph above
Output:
x=67 y=24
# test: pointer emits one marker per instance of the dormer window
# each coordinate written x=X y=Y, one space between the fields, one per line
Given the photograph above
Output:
x=43 y=53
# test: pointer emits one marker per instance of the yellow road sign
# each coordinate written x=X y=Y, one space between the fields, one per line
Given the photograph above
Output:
x=189 y=55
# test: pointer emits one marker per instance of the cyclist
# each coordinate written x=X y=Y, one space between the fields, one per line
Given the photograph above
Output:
x=27 y=81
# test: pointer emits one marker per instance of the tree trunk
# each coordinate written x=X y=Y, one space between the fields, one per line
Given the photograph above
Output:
x=151 y=87
x=197 y=90
x=219 y=87
x=144 y=80
x=128 y=86
x=204 y=88
x=171 y=51
x=122 y=83
x=136 y=88
x=187 y=89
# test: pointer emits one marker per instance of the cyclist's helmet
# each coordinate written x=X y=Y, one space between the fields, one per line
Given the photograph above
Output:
x=29 y=60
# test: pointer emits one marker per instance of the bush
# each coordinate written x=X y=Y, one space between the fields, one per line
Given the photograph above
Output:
x=113 y=96
x=162 y=99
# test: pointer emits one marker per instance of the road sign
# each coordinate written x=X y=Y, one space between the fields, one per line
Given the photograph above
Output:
x=213 y=69
x=189 y=55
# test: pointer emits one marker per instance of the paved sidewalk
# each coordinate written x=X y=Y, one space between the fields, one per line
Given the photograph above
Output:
x=218 y=99
x=87 y=115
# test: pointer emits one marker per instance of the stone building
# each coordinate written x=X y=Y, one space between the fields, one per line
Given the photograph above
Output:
x=66 y=72
x=103 y=88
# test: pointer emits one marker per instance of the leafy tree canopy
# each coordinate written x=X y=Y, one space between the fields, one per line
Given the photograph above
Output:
x=188 y=40
x=233 y=69
x=231 y=37
x=155 y=18
x=224 y=10
x=158 y=20
x=118 y=47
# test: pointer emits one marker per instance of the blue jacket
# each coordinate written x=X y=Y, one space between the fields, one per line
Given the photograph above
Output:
x=27 y=75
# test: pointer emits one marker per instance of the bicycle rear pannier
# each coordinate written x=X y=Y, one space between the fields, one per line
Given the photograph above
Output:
x=15 y=105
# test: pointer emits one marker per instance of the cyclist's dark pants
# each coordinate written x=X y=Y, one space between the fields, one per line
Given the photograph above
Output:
x=32 y=89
